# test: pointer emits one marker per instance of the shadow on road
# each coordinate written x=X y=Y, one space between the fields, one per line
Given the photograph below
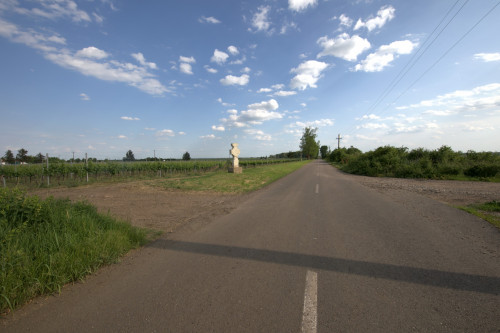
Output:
x=429 y=277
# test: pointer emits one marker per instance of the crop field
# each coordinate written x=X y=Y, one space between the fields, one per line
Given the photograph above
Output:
x=72 y=174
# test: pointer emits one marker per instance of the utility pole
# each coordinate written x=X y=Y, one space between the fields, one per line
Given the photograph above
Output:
x=338 y=139
x=154 y=154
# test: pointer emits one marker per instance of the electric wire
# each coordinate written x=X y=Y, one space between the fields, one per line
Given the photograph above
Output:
x=443 y=55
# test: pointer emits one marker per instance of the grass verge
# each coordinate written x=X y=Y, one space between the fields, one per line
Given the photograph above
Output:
x=45 y=244
x=221 y=181
x=489 y=211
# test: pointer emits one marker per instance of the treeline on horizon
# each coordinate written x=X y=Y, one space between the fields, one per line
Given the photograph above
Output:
x=442 y=163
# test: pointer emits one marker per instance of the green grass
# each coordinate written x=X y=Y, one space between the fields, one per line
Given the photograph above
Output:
x=45 y=244
x=487 y=211
x=223 y=182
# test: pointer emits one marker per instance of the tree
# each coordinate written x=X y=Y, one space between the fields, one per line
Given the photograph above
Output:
x=22 y=155
x=129 y=156
x=324 y=151
x=9 y=157
x=186 y=156
x=39 y=158
x=308 y=144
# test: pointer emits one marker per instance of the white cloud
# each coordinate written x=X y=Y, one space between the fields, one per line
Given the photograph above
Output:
x=230 y=80
x=278 y=86
x=284 y=93
x=84 y=97
x=150 y=129
x=181 y=133
x=233 y=50
x=487 y=57
x=270 y=105
x=130 y=74
x=31 y=38
x=372 y=126
x=52 y=9
x=246 y=70
x=256 y=114
x=91 y=52
x=300 y=5
x=287 y=26
x=219 y=57
x=344 y=46
x=121 y=136
x=384 y=15
x=224 y=103
x=260 y=20
x=369 y=117
x=219 y=128
x=308 y=73
x=258 y=134
x=210 y=69
x=140 y=58
x=481 y=98
x=264 y=90
x=377 y=61
x=345 y=21
x=209 y=137
x=209 y=19
x=110 y=70
x=189 y=60
x=129 y=118
x=314 y=123
x=98 y=18
x=165 y=133
x=186 y=68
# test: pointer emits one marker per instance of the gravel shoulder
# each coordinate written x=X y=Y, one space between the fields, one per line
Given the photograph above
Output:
x=455 y=193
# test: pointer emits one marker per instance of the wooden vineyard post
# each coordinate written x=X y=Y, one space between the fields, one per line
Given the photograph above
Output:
x=48 y=177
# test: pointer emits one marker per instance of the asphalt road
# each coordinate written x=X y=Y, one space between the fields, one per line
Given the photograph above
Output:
x=313 y=252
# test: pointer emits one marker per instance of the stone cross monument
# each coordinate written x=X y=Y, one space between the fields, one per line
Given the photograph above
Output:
x=235 y=152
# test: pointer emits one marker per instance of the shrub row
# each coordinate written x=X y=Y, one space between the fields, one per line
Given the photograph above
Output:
x=390 y=161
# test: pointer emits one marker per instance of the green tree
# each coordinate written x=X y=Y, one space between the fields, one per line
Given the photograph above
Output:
x=39 y=158
x=324 y=151
x=308 y=144
x=186 y=156
x=9 y=157
x=22 y=155
x=129 y=156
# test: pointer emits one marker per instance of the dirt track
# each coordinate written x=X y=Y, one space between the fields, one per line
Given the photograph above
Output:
x=167 y=210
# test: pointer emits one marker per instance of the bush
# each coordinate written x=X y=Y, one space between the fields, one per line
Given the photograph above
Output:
x=418 y=163
x=482 y=171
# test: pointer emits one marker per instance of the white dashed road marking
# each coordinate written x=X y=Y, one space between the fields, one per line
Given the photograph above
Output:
x=310 y=314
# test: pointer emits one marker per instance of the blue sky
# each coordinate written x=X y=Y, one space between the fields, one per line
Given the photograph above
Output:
x=164 y=77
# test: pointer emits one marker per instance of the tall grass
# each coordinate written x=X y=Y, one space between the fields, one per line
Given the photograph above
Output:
x=45 y=244
x=442 y=163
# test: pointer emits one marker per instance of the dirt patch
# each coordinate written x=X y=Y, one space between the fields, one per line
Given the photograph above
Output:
x=147 y=206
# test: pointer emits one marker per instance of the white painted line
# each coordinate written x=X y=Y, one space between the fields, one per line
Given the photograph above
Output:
x=310 y=314
x=317 y=188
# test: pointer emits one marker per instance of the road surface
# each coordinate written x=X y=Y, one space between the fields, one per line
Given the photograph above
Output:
x=313 y=252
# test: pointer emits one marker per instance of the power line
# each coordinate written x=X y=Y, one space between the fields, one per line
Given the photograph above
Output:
x=445 y=53
x=409 y=65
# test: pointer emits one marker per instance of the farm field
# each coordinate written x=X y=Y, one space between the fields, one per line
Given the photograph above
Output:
x=74 y=174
